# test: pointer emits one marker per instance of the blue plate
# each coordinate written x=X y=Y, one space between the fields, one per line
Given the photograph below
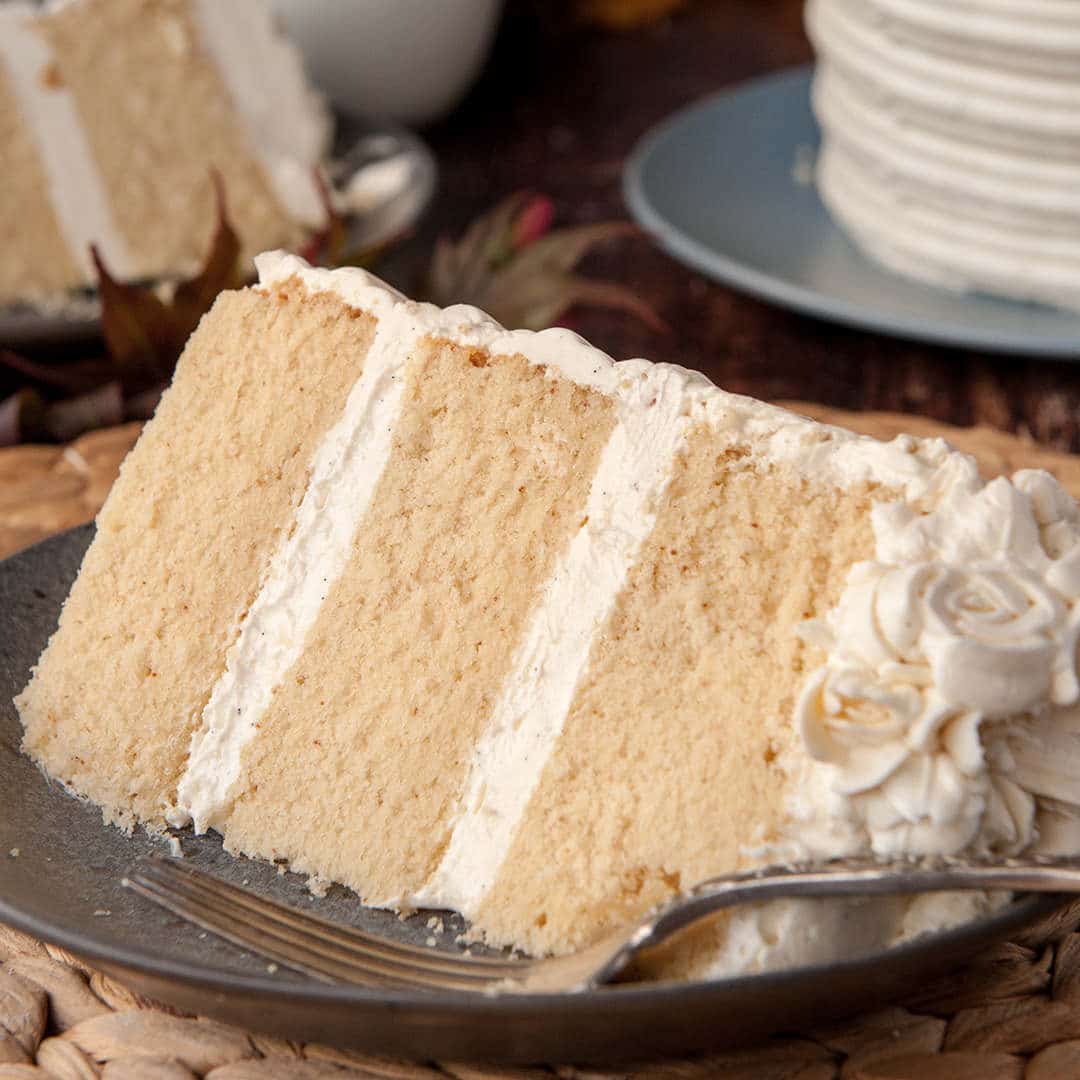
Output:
x=724 y=186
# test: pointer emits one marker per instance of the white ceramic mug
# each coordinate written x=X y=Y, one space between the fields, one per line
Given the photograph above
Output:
x=409 y=60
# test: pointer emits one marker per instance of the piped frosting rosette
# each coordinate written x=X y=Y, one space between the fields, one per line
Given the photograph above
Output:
x=945 y=716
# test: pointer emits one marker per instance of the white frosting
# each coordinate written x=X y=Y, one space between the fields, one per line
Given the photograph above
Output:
x=967 y=615
x=77 y=191
x=634 y=470
x=286 y=121
x=951 y=139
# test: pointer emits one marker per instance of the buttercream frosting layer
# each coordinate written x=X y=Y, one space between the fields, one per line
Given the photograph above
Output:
x=951 y=139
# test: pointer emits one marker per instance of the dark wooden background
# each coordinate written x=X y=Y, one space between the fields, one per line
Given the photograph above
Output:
x=559 y=108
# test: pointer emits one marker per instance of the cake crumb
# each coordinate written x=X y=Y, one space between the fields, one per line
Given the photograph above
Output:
x=272 y=968
x=318 y=886
x=101 y=913
x=436 y=924
x=431 y=941
x=75 y=459
x=14 y=852
x=175 y=848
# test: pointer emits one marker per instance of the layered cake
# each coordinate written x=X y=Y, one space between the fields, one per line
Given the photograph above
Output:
x=113 y=116
x=475 y=619
x=951 y=139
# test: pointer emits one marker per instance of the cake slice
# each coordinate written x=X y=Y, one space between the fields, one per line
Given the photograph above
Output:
x=467 y=618
x=115 y=113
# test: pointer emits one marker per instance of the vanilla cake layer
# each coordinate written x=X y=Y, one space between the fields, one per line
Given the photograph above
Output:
x=157 y=115
x=117 y=115
x=742 y=553
x=539 y=637
x=401 y=669
x=182 y=543
x=25 y=208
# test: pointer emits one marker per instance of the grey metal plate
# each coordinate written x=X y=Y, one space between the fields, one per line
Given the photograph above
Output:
x=716 y=185
x=64 y=887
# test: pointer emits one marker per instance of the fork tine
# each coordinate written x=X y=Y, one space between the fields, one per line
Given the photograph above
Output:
x=304 y=942
x=295 y=949
x=349 y=938
x=168 y=871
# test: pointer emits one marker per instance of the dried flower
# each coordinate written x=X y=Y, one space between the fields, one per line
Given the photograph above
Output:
x=512 y=265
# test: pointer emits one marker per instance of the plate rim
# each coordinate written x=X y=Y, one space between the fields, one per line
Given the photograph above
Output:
x=739 y=275
x=631 y=997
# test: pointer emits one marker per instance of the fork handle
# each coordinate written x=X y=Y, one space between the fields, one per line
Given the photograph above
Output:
x=778 y=883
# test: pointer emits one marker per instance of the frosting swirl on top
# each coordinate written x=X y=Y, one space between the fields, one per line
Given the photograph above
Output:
x=967 y=619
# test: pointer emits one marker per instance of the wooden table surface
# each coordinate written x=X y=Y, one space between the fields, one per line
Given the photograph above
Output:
x=560 y=108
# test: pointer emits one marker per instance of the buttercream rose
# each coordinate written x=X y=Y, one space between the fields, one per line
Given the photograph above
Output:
x=913 y=765
x=992 y=636
x=996 y=637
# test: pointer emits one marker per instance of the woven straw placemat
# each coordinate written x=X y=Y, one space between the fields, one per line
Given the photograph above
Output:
x=1012 y=1013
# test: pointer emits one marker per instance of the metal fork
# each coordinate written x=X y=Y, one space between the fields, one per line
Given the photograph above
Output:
x=334 y=953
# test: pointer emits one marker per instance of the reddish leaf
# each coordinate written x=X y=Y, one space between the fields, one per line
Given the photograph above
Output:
x=134 y=322
x=192 y=298
x=326 y=246
x=533 y=221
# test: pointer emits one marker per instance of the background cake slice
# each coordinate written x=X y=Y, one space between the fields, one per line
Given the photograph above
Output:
x=115 y=115
x=483 y=620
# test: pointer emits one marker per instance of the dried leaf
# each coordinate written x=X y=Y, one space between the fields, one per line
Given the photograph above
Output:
x=134 y=322
x=192 y=298
x=145 y=334
x=326 y=247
